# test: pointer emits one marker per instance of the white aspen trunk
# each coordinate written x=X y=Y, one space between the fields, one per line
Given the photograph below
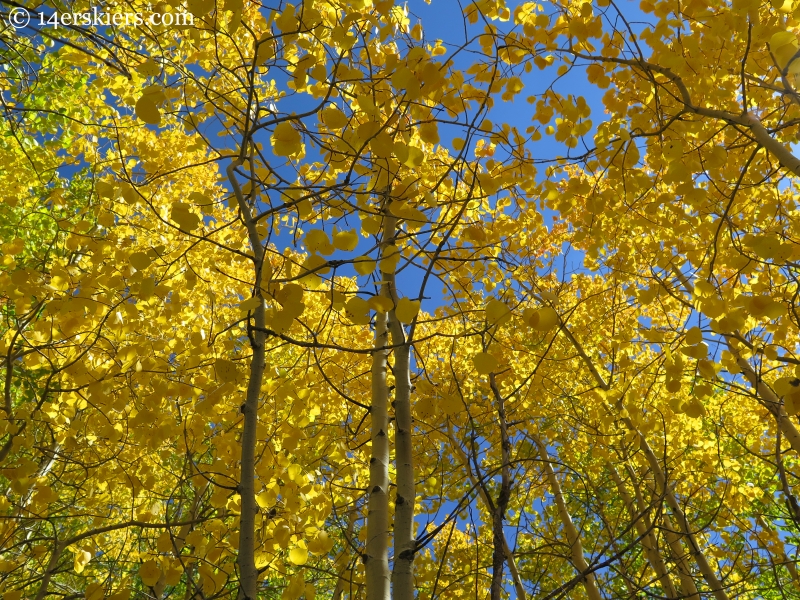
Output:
x=768 y=397
x=573 y=538
x=764 y=393
x=644 y=530
x=248 y=574
x=376 y=553
x=688 y=588
x=404 y=539
x=694 y=547
x=499 y=507
x=708 y=573
x=52 y=564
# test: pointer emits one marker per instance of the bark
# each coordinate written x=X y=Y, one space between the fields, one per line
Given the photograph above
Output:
x=709 y=575
x=688 y=588
x=573 y=538
x=376 y=554
x=248 y=574
x=52 y=564
x=405 y=545
x=499 y=542
x=764 y=393
x=644 y=530
x=767 y=397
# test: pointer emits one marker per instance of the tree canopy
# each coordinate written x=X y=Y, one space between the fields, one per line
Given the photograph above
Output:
x=302 y=301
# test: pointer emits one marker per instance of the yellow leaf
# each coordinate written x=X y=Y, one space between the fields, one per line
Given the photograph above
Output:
x=184 y=217
x=148 y=68
x=265 y=499
x=314 y=263
x=333 y=118
x=380 y=304
x=317 y=240
x=139 y=260
x=415 y=157
x=672 y=150
x=82 y=558
x=484 y=363
x=694 y=336
x=200 y=8
x=694 y=409
x=150 y=572
x=429 y=133
x=706 y=368
x=364 y=265
x=783 y=46
x=250 y=304
x=298 y=556
x=406 y=310
x=543 y=319
x=389 y=260
x=497 y=312
x=357 y=310
x=164 y=542
x=286 y=140
x=147 y=288
x=791 y=403
x=225 y=369
x=345 y=240
x=147 y=111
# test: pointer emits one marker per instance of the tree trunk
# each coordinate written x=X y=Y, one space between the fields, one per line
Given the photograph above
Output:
x=248 y=574
x=404 y=538
x=376 y=554
x=644 y=530
x=499 y=543
x=683 y=524
x=767 y=397
x=573 y=538
x=478 y=485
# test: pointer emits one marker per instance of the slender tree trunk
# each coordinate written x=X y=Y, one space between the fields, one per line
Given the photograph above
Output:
x=52 y=565
x=376 y=555
x=404 y=538
x=661 y=482
x=694 y=547
x=405 y=546
x=688 y=587
x=478 y=485
x=499 y=542
x=573 y=538
x=248 y=574
x=644 y=530
x=767 y=397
